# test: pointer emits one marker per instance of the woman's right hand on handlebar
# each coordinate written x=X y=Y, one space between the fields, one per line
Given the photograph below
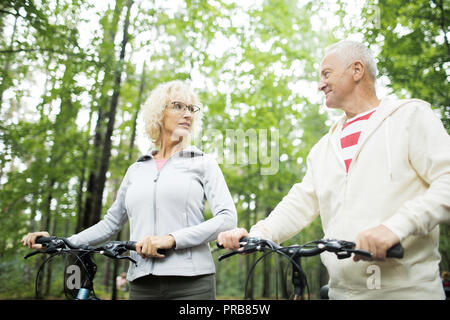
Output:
x=29 y=240
x=230 y=239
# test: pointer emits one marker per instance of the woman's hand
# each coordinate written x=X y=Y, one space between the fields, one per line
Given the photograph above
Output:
x=30 y=239
x=148 y=247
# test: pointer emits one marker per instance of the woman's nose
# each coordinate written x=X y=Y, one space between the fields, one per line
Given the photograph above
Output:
x=187 y=114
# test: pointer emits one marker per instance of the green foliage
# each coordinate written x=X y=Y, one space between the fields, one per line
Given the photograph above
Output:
x=253 y=65
x=415 y=49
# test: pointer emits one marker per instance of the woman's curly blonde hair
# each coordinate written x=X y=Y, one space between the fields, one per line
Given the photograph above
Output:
x=153 y=108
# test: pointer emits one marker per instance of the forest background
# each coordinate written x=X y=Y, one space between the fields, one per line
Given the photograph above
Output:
x=74 y=73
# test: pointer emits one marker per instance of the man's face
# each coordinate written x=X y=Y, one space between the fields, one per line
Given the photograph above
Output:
x=336 y=81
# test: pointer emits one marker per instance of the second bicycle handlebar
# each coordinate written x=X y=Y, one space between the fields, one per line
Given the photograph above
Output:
x=342 y=249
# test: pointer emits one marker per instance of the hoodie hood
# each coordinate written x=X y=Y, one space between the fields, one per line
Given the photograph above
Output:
x=387 y=107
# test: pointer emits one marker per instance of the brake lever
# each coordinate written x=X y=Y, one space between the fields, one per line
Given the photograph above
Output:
x=247 y=246
x=344 y=249
x=33 y=253
x=114 y=249
x=227 y=255
x=360 y=252
x=127 y=258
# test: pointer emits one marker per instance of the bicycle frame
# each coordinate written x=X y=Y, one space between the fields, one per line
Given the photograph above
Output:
x=84 y=293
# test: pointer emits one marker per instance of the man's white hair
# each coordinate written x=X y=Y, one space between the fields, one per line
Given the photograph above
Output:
x=153 y=108
x=350 y=50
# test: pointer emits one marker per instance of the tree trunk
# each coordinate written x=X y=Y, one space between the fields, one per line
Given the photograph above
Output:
x=267 y=269
x=104 y=162
x=49 y=264
x=130 y=156
x=92 y=188
x=84 y=219
x=113 y=280
x=115 y=273
x=84 y=166
x=249 y=258
x=46 y=221
x=136 y=112
x=5 y=70
x=97 y=179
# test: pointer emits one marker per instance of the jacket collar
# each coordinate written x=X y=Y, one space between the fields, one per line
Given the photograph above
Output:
x=387 y=106
x=188 y=152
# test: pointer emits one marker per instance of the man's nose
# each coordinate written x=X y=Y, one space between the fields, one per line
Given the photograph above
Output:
x=321 y=86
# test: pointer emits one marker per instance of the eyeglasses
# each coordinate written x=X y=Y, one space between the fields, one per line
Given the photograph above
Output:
x=181 y=107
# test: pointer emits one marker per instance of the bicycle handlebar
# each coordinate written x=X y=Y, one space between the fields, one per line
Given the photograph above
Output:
x=342 y=249
x=111 y=249
x=396 y=251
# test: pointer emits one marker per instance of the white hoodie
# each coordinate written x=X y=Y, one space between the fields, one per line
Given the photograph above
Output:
x=400 y=177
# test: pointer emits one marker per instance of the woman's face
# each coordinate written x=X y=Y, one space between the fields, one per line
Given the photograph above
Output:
x=178 y=118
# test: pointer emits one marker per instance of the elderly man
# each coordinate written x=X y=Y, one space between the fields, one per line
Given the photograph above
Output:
x=380 y=176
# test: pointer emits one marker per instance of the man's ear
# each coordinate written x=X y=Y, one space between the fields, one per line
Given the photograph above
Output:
x=358 y=69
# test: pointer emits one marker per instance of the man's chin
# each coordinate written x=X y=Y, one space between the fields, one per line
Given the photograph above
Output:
x=331 y=105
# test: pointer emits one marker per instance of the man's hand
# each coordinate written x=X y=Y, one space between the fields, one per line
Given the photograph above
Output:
x=377 y=240
x=230 y=239
x=148 y=247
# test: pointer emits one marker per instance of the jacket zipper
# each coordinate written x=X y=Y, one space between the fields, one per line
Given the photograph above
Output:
x=154 y=202
x=155 y=215
x=337 y=152
x=155 y=180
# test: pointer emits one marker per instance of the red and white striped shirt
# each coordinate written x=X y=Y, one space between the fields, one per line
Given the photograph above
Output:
x=351 y=130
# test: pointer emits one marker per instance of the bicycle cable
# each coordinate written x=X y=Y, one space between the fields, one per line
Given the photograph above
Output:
x=81 y=262
x=39 y=271
x=290 y=258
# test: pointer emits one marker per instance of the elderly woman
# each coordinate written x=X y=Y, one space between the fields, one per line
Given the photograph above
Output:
x=163 y=196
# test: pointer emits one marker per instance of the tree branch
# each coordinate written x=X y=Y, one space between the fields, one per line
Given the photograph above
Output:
x=17 y=14
x=8 y=51
x=441 y=6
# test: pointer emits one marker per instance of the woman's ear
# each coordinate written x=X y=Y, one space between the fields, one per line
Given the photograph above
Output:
x=161 y=120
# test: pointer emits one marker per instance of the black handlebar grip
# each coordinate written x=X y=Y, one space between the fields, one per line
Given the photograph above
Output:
x=130 y=245
x=44 y=240
x=395 y=252
x=243 y=239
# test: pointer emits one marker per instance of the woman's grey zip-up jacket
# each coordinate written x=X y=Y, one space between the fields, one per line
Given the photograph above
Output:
x=170 y=201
